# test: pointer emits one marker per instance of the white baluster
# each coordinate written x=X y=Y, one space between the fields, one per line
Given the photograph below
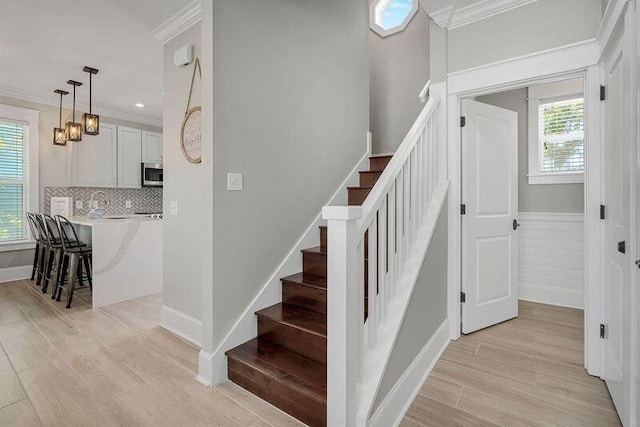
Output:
x=382 y=261
x=372 y=321
x=391 y=239
x=344 y=324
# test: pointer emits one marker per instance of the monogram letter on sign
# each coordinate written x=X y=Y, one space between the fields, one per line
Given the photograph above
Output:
x=190 y=139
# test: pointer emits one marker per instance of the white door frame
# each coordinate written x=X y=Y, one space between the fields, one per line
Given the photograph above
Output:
x=577 y=59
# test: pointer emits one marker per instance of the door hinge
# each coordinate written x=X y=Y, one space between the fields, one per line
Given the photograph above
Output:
x=463 y=209
x=463 y=121
x=602 y=212
x=622 y=247
x=463 y=297
x=603 y=331
x=603 y=93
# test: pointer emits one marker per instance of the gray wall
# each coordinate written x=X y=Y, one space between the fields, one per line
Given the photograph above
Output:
x=182 y=240
x=542 y=25
x=52 y=168
x=290 y=112
x=399 y=71
x=426 y=312
x=540 y=197
x=437 y=52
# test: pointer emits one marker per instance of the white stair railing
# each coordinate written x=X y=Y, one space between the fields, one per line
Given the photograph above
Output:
x=393 y=227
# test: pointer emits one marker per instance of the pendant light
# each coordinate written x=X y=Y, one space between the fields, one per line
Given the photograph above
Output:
x=90 y=122
x=74 y=130
x=60 y=133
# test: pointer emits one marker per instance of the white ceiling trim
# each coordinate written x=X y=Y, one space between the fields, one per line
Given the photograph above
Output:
x=188 y=16
x=451 y=18
x=54 y=101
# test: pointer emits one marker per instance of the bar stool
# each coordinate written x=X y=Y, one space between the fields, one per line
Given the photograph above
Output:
x=74 y=255
x=44 y=248
x=35 y=232
x=53 y=252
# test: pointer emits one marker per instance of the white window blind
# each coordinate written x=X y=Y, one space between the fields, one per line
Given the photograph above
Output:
x=14 y=138
x=561 y=135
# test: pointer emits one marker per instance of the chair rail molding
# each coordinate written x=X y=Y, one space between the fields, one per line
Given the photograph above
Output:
x=188 y=16
x=452 y=18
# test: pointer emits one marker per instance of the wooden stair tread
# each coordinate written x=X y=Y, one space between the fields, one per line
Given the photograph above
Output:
x=296 y=372
x=359 y=188
x=316 y=250
x=297 y=317
x=307 y=280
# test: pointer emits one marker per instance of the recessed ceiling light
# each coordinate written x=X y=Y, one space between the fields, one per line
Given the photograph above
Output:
x=139 y=105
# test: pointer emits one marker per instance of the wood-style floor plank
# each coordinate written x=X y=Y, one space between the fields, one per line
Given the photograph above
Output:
x=524 y=372
x=108 y=366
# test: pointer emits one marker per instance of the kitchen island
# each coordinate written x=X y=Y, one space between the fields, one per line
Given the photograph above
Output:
x=127 y=256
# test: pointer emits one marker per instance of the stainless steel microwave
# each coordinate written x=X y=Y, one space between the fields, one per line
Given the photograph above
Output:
x=152 y=175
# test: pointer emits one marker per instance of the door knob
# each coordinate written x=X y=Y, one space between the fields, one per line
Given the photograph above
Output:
x=638 y=263
x=515 y=224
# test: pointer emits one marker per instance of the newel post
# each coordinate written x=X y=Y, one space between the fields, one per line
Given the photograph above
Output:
x=344 y=314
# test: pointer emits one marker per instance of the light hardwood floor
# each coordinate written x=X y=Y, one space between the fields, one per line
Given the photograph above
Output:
x=116 y=366
x=107 y=367
x=524 y=372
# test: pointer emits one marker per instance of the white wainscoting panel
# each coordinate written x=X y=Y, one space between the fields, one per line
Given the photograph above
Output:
x=552 y=258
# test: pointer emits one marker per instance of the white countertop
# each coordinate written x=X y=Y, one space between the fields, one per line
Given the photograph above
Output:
x=109 y=219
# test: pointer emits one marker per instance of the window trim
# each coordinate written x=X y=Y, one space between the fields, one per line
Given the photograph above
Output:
x=375 y=9
x=32 y=199
x=565 y=88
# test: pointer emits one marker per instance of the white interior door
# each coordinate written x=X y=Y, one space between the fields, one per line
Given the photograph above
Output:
x=490 y=195
x=616 y=267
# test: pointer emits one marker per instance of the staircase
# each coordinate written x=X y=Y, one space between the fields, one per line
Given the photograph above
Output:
x=286 y=364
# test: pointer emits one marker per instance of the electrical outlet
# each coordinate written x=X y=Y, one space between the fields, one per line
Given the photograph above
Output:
x=78 y=204
x=127 y=204
x=173 y=208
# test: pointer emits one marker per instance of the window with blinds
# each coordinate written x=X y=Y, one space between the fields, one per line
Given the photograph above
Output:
x=14 y=137
x=561 y=135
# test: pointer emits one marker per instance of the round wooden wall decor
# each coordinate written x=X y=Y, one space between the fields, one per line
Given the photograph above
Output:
x=190 y=139
x=190 y=136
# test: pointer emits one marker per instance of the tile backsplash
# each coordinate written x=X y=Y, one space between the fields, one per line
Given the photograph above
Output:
x=142 y=199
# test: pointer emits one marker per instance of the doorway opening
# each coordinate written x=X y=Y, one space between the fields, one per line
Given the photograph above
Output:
x=522 y=193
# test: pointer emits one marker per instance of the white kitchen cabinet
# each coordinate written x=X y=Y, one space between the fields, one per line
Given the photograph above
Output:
x=129 y=154
x=94 y=159
x=151 y=147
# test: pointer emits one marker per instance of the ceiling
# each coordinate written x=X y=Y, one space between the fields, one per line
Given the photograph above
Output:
x=44 y=43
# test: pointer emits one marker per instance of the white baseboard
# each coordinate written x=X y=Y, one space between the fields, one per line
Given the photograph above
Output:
x=181 y=324
x=397 y=403
x=9 y=274
x=246 y=327
x=552 y=296
x=205 y=362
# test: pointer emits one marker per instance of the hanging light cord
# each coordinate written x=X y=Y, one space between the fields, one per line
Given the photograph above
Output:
x=74 y=104
x=60 y=111
x=89 y=93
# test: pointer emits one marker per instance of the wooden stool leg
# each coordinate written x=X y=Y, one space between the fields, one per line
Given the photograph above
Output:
x=73 y=271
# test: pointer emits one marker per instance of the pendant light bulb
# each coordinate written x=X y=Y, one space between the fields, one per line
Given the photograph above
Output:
x=74 y=130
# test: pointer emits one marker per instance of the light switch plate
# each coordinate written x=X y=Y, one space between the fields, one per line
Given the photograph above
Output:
x=173 y=208
x=78 y=204
x=127 y=204
x=234 y=181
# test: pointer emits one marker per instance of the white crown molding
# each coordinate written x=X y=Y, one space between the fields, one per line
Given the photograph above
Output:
x=452 y=18
x=185 y=18
x=443 y=17
x=54 y=101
